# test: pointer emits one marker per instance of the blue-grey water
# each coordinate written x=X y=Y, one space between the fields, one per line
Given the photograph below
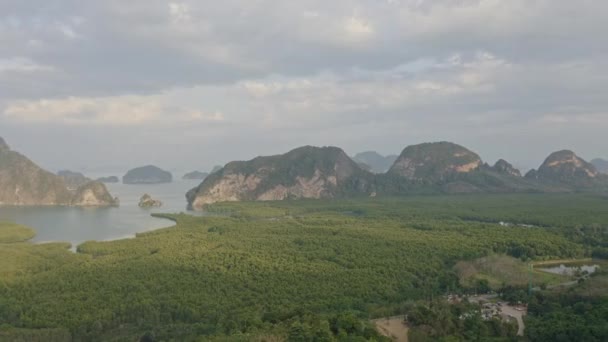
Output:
x=76 y=225
x=570 y=270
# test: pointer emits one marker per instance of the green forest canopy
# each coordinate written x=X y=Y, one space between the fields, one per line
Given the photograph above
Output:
x=282 y=268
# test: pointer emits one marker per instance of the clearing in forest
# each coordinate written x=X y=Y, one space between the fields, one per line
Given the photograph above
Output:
x=393 y=327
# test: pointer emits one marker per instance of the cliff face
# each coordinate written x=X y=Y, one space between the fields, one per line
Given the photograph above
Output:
x=24 y=183
x=568 y=172
x=434 y=161
x=504 y=167
x=307 y=172
x=566 y=166
x=431 y=168
x=93 y=194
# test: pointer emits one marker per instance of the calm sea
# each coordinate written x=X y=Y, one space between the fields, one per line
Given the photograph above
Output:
x=76 y=225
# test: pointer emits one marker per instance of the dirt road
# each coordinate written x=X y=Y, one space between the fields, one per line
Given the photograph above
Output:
x=518 y=315
x=393 y=327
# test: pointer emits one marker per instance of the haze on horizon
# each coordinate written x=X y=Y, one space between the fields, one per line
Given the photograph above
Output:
x=191 y=84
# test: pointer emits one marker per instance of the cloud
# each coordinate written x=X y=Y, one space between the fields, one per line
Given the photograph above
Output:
x=256 y=76
x=179 y=12
x=113 y=111
x=151 y=46
x=22 y=65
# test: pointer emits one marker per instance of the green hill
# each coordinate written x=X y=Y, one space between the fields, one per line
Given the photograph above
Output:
x=306 y=172
x=429 y=168
x=22 y=182
x=434 y=161
x=566 y=169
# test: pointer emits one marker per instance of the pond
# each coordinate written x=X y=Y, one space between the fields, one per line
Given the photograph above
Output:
x=571 y=269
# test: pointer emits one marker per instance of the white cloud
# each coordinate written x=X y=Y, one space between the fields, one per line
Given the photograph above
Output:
x=358 y=29
x=179 y=12
x=68 y=31
x=22 y=65
x=122 y=111
x=315 y=69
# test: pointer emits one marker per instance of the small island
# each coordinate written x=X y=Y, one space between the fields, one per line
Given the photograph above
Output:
x=23 y=183
x=147 y=201
x=108 y=180
x=195 y=175
x=147 y=175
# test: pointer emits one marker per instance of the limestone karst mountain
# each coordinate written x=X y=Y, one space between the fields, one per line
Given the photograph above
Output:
x=564 y=166
x=22 y=182
x=376 y=162
x=566 y=171
x=429 y=168
x=306 y=172
x=434 y=161
x=149 y=174
x=503 y=166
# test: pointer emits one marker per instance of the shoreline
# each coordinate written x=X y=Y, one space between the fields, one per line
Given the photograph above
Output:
x=74 y=247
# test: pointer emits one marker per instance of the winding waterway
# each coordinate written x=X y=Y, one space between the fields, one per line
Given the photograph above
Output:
x=76 y=225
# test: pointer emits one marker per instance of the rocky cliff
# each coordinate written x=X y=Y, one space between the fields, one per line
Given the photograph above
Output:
x=306 y=172
x=564 y=166
x=504 y=167
x=430 y=168
x=22 y=182
x=434 y=162
x=93 y=194
x=146 y=201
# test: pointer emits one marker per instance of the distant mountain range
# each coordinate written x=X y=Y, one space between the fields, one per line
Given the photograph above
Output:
x=109 y=179
x=601 y=165
x=22 y=182
x=195 y=175
x=374 y=162
x=441 y=167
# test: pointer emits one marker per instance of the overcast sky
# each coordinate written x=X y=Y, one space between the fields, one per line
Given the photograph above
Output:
x=93 y=85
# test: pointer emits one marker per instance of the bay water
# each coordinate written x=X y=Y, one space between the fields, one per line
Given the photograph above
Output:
x=77 y=225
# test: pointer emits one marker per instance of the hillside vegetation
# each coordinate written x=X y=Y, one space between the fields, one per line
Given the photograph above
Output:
x=283 y=270
x=430 y=168
x=23 y=183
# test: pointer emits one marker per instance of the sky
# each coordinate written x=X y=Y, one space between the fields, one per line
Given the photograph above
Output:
x=109 y=85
